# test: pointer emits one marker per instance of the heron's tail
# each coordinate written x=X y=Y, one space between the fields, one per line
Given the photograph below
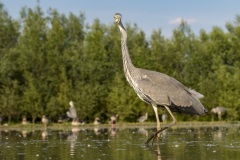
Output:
x=195 y=93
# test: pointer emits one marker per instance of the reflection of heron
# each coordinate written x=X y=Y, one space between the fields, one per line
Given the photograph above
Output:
x=24 y=133
x=72 y=113
x=164 y=118
x=158 y=89
x=44 y=120
x=220 y=112
x=218 y=135
x=97 y=130
x=159 y=157
x=113 y=131
x=143 y=131
x=96 y=121
x=155 y=151
x=44 y=134
x=73 y=139
x=143 y=118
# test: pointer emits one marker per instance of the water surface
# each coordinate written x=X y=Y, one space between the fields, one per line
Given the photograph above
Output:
x=96 y=143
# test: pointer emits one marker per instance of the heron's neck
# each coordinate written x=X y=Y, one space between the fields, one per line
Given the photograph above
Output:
x=127 y=63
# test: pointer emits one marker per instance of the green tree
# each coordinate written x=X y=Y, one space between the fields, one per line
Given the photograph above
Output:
x=9 y=88
x=158 y=49
x=94 y=72
x=64 y=53
x=32 y=50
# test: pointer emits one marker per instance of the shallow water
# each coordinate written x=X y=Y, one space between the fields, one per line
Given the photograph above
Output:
x=121 y=143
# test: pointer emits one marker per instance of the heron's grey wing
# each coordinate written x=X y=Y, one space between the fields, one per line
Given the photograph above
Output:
x=164 y=89
x=69 y=114
x=73 y=112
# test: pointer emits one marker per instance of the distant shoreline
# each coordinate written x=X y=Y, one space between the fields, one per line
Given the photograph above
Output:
x=66 y=126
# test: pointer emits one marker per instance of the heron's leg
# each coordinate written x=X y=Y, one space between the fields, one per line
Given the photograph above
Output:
x=174 y=119
x=169 y=125
x=152 y=137
x=158 y=124
x=219 y=116
x=157 y=118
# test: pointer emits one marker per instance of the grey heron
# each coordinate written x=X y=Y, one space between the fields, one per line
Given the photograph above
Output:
x=219 y=111
x=158 y=89
x=143 y=118
x=72 y=113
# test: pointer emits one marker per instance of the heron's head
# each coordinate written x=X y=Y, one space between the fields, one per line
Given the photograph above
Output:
x=117 y=18
x=71 y=103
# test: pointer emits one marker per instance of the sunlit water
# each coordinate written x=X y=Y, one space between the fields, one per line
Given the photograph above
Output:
x=121 y=143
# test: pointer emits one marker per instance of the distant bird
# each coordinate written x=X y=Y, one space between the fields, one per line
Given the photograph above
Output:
x=113 y=119
x=97 y=121
x=143 y=118
x=45 y=121
x=72 y=113
x=24 y=121
x=164 y=118
x=158 y=89
x=220 y=112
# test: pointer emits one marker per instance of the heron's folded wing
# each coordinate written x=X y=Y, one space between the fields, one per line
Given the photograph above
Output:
x=164 y=89
x=69 y=114
x=73 y=112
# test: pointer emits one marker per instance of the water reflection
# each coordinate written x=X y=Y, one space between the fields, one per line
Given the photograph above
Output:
x=72 y=138
x=44 y=134
x=113 y=131
x=98 y=142
x=24 y=133
x=155 y=150
x=97 y=130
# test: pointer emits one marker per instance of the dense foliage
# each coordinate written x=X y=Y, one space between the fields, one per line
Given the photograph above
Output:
x=48 y=60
